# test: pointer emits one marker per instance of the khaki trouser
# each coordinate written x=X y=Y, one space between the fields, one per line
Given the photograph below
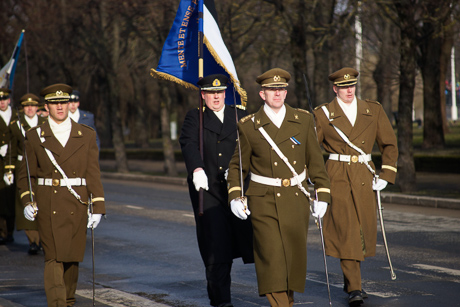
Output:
x=61 y=280
x=281 y=299
x=351 y=274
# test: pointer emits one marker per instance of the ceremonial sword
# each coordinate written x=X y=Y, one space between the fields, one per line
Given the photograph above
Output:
x=320 y=223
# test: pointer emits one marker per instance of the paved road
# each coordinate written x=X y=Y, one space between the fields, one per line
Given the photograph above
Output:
x=146 y=255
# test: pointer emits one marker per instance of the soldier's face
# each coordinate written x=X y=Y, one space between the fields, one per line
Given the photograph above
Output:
x=4 y=104
x=274 y=97
x=73 y=106
x=30 y=111
x=214 y=100
x=58 y=111
x=345 y=93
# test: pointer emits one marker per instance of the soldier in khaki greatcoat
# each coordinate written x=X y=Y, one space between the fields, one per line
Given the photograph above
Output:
x=18 y=127
x=280 y=210
x=350 y=223
x=7 y=186
x=62 y=218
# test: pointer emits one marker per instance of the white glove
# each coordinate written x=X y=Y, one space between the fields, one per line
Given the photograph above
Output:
x=226 y=174
x=319 y=209
x=200 y=180
x=239 y=208
x=93 y=220
x=9 y=178
x=30 y=211
x=379 y=184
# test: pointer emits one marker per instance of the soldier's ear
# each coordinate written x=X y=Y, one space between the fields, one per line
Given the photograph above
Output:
x=262 y=94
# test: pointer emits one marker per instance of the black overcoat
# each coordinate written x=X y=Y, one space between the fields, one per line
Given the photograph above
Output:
x=221 y=236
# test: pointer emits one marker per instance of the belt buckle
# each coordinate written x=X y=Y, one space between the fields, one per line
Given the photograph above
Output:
x=56 y=182
x=286 y=182
x=354 y=159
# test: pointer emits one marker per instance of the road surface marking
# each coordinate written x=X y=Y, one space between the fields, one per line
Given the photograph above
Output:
x=116 y=298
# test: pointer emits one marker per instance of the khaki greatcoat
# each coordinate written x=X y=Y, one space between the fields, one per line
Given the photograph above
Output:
x=350 y=223
x=280 y=215
x=17 y=149
x=61 y=218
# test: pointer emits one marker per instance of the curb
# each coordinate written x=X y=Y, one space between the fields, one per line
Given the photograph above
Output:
x=145 y=178
x=392 y=198
x=422 y=201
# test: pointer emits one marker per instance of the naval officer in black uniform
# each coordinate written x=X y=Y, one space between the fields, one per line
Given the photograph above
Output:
x=222 y=237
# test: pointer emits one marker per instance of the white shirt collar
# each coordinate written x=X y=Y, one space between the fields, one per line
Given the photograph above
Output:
x=6 y=115
x=32 y=121
x=276 y=118
x=350 y=109
x=220 y=114
x=75 y=116
x=61 y=131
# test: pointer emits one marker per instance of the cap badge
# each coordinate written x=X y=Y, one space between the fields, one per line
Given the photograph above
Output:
x=276 y=78
x=216 y=82
x=29 y=99
x=2 y=93
x=43 y=133
x=59 y=93
x=346 y=77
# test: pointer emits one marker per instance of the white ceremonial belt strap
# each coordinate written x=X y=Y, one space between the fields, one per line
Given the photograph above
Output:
x=76 y=182
x=278 y=182
x=350 y=158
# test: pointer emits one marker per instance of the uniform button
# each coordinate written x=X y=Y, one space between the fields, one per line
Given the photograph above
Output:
x=55 y=170
x=273 y=148
x=71 y=213
x=276 y=163
x=55 y=191
x=220 y=167
x=362 y=142
x=295 y=162
x=293 y=146
x=54 y=212
x=296 y=194
x=218 y=142
x=278 y=194
x=362 y=183
x=74 y=173
x=220 y=154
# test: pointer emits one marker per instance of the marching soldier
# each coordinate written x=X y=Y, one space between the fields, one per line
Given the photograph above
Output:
x=7 y=187
x=221 y=236
x=80 y=116
x=277 y=193
x=18 y=128
x=350 y=223
x=64 y=174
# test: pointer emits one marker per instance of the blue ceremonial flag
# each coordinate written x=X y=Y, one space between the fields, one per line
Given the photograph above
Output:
x=179 y=57
x=7 y=72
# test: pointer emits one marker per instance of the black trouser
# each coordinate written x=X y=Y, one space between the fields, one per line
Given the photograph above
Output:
x=219 y=280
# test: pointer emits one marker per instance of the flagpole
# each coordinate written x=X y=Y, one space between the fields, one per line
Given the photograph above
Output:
x=200 y=76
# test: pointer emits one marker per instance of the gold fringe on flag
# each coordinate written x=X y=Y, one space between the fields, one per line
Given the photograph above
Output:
x=165 y=76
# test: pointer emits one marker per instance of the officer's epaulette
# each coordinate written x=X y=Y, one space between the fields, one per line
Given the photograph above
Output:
x=86 y=126
x=246 y=118
x=303 y=111
x=320 y=106
x=373 y=101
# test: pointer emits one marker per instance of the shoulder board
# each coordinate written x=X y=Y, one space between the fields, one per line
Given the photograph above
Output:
x=373 y=101
x=33 y=128
x=246 y=118
x=320 y=106
x=303 y=111
x=86 y=126
x=13 y=121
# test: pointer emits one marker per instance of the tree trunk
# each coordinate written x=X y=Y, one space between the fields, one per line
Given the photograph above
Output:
x=433 y=133
x=168 y=150
x=406 y=167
